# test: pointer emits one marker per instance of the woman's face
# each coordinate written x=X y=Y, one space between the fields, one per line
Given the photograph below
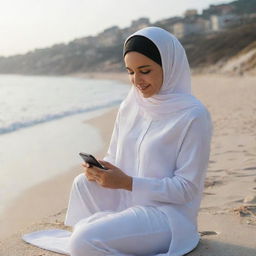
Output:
x=145 y=74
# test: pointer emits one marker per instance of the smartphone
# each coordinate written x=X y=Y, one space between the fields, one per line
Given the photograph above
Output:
x=91 y=160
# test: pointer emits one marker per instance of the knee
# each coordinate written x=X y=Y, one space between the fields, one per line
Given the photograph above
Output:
x=79 y=180
x=82 y=243
x=78 y=245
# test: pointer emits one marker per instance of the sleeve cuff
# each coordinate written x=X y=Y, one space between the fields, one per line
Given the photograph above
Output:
x=141 y=188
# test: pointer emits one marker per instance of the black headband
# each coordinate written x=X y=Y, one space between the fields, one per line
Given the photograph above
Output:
x=144 y=46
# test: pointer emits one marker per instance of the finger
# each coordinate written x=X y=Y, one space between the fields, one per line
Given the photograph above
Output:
x=89 y=176
x=98 y=180
x=106 y=164
x=90 y=179
x=95 y=172
x=89 y=171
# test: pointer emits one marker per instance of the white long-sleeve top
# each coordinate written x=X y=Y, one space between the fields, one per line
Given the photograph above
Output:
x=167 y=158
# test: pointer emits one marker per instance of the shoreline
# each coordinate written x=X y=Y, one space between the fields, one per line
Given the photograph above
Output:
x=227 y=217
x=116 y=76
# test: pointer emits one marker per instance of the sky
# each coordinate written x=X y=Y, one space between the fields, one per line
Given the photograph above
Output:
x=29 y=24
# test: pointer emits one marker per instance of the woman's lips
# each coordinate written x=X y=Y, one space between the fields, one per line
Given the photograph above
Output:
x=142 y=88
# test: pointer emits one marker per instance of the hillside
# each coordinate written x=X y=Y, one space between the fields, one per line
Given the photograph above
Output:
x=213 y=52
x=243 y=62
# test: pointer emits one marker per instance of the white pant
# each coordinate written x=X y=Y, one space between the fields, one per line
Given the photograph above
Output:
x=106 y=225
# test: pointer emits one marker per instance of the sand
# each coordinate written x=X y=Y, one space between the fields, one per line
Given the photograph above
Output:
x=227 y=218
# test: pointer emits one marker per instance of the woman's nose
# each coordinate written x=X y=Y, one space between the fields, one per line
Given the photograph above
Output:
x=137 y=79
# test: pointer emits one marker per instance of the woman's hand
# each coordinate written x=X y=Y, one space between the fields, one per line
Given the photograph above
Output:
x=112 y=178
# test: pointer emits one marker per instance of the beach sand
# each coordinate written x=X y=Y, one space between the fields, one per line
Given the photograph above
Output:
x=227 y=218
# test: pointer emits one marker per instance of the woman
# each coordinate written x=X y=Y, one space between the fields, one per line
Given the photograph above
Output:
x=146 y=203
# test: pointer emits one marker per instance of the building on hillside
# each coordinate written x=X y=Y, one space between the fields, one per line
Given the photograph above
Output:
x=222 y=9
x=221 y=22
x=168 y=24
x=135 y=25
x=190 y=13
x=140 y=23
x=185 y=28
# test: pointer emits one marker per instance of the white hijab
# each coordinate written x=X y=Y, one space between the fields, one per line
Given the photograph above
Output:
x=175 y=93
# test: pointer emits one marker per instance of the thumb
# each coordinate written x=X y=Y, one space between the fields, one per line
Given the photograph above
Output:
x=106 y=164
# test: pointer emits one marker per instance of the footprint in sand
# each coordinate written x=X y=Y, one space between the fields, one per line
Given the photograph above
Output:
x=211 y=183
x=248 y=175
x=209 y=194
x=246 y=211
x=208 y=233
x=253 y=189
x=231 y=151
x=231 y=172
x=250 y=168
x=218 y=170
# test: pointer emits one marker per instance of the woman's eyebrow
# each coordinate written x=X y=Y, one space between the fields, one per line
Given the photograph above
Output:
x=144 y=66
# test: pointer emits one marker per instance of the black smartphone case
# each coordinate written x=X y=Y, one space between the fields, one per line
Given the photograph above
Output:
x=91 y=160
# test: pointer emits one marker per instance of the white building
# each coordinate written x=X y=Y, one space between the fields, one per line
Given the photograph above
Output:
x=190 y=13
x=198 y=26
x=223 y=21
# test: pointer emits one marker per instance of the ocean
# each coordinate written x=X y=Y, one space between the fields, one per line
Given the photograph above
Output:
x=42 y=126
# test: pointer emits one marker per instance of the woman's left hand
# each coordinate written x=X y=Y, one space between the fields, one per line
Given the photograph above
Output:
x=113 y=178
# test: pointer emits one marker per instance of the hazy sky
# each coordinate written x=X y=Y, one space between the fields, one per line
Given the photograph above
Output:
x=29 y=24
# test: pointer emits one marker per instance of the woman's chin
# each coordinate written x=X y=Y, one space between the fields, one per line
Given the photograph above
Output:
x=145 y=94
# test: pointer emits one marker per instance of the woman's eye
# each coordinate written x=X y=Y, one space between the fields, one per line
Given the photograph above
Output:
x=145 y=72
x=142 y=72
